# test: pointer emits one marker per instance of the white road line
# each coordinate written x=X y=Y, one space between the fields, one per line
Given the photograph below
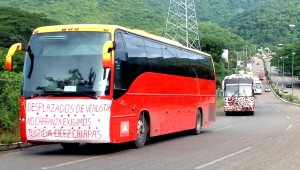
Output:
x=287 y=117
x=72 y=162
x=289 y=127
x=276 y=109
x=223 y=158
x=224 y=128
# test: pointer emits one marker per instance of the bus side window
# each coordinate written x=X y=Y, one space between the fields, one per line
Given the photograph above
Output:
x=106 y=92
x=120 y=48
x=137 y=62
x=121 y=58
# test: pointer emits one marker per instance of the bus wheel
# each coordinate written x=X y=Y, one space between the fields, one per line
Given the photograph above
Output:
x=70 y=147
x=142 y=132
x=198 y=123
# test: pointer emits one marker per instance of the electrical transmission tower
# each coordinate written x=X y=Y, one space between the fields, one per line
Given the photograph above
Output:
x=182 y=23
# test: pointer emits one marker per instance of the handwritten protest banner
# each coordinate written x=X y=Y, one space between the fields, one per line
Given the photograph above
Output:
x=68 y=120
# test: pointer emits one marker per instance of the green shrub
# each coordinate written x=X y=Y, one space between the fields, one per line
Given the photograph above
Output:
x=6 y=138
x=220 y=101
x=9 y=104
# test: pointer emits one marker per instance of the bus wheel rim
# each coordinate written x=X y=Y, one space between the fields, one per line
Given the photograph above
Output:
x=198 y=124
x=140 y=129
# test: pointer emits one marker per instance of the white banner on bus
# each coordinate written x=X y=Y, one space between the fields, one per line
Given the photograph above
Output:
x=72 y=120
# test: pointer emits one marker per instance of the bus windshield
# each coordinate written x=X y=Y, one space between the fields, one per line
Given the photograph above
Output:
x=238 y=91
x=65 y=62
x=258 y=85
x=245 y=90
x=231 y=91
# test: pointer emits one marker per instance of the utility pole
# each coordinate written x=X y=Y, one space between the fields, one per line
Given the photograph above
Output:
x=246 y=53
x=182 y=25
x=292 y=26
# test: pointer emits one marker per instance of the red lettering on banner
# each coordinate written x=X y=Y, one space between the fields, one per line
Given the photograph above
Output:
x=67 y=108
x=38 y=133
x=30 y=121
x=58 y=108
x=47 y=121
x=97 y=108
x=64 y=133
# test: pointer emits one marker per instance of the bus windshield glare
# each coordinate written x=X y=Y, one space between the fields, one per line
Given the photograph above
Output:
x=65 y=62
x=238 y=91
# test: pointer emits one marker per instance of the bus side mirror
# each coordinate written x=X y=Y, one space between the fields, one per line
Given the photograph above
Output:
x=12 y=50
x=106 y=54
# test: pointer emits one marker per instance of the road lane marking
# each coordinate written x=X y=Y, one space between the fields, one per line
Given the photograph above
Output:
x=72 y=162
x=276 y=109
x=224 y=128
x=287 y=117
x=223 y=158
x=289 y=127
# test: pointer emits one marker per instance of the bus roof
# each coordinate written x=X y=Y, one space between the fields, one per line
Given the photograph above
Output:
x=239 y=81
x=111 y=29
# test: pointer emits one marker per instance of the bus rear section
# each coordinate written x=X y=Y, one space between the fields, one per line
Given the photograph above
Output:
x=257 y=86
x=109 y=84
x=239 y=95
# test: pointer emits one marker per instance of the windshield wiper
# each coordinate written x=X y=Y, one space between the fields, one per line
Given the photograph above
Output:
x=40 y=94
x=31 y=55
x=235 y=93
x=88 y=95
x=53 y=93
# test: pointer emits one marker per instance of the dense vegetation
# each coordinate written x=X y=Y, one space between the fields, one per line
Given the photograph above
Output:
x=15 y=26
x=290 y=60
x=136 y=14
x=269 y=24
x=213 y=40
x=218 y=11
x=260 y=21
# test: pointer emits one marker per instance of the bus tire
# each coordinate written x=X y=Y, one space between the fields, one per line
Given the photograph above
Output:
x=142 y=132
x=70 y=147
x=198 y=125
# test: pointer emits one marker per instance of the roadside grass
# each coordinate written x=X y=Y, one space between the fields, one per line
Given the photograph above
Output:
x=220 y=102
x=287 y=97
x=9 y=137
x=9 y=129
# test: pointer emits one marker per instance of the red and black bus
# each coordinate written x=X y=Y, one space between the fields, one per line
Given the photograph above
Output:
x=109 y=84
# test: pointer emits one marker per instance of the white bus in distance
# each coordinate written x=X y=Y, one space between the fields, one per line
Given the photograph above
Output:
x=257 y=85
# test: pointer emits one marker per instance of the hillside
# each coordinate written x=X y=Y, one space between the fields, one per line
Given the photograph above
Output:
x=17 y=25
x=136 y=14
x=78 y=11
x=268 y=24
x=252 y=19
x=150 y=14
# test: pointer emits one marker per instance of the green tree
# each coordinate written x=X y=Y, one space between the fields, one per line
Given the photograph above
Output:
x=17 y=25
x=287 y=52
x=9 y=106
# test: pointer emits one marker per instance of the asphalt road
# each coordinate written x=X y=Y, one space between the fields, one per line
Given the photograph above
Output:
x=267 y=140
